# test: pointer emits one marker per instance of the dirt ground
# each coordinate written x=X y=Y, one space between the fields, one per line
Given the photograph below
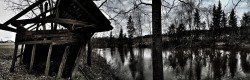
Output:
x=98 y=71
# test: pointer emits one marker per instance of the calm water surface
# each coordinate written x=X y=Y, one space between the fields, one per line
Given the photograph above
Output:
x=180 y=64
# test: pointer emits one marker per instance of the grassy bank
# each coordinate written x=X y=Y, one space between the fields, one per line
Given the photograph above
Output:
x=99 y=70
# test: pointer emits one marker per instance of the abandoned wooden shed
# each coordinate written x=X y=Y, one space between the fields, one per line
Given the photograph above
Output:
x=55 y=39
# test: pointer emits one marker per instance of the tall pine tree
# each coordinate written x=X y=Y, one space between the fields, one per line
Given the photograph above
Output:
x=245 y=25
x=197 y=19
x=233 y=22
x=131 y=31
x=217 y=17
x=218 y=14
x=130 y=27
x=223 y=24
x=223 y=20
x=245 y=20
x=214 y=25
x=172 y=29
x=120 y=39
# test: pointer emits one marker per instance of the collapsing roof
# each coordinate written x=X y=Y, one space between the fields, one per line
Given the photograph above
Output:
x=75 y=15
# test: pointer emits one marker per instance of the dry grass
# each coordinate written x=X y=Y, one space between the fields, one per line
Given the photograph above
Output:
x=99 y=69
x=6 y=52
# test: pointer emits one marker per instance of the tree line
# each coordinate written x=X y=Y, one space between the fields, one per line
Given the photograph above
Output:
x=223 y=28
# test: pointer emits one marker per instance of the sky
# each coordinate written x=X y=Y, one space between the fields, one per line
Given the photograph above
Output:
x=227 y=5
x=4 y=16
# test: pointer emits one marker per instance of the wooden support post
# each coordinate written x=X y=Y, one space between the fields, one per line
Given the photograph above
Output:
x=48 y=60
x=64 y=58
x=32 y=57
x=89 y=53
x=14 y=58
x=78 y=61
x=21 y=57
x=37 y=26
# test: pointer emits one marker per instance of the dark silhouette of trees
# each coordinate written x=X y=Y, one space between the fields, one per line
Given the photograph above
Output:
x=223 y=25
x=120 y=39
x=180 y=31
x=224 y=20
x=233 y=22
x=245 y=22
x=131 y=31
x=197 y=19
x=172 y=30
x=197 y=24
x=217 y=17
x=245 y=25
x=111 y=40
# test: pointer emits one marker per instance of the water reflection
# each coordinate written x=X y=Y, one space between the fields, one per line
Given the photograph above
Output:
x=180 y=64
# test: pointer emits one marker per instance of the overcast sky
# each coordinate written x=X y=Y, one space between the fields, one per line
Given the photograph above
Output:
x=226 y=5
x=4 y=16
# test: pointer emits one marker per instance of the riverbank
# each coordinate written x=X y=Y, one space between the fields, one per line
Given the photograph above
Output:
x=99 y=70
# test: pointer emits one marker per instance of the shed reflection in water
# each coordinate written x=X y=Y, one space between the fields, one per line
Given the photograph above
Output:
x=180 y=64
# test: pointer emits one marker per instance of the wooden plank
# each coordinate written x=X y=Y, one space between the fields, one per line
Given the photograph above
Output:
x=32 y=58
x=43 y=16
x=21 y=55
x=62 y=64
x=19 y=27
x=43 y=32
x=14 y=58
x=54 y=20
x=37 y=26
x=23 y=12
x=54 y=42
x=85 y=10
x=48 y=60
x=38 y=17
x=78 y=61
x=31 y=26
x=36 y=36
x=4 y=27
x=89 y=53
x=35 y=42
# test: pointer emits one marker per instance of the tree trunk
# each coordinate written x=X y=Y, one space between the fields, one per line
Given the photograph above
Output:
x=157 y=40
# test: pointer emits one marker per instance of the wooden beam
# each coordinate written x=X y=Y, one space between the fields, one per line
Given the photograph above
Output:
x=31 y=26
x=48 y=60
x=14 y=58
x=21 y=55
x=23 y=12
x=78 y=61
x=32 y=58
x=4 y=27
x=36 y=42
x=19 y=27
x=89 y=53
x=85 y=10
x=36 y=18
x=63 y=61
x=54 y=20
x=45 y=13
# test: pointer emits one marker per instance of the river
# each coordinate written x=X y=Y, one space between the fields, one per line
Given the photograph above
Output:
x=180 y=64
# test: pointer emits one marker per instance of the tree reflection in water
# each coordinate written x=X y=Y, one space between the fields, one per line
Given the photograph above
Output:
x=245 y=63
x=232 y=63
x=184 y=64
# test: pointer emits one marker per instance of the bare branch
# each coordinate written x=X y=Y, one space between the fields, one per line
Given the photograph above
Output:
x=141 y=2
x=187 y=4
x=102 y=3
x=235 y=5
